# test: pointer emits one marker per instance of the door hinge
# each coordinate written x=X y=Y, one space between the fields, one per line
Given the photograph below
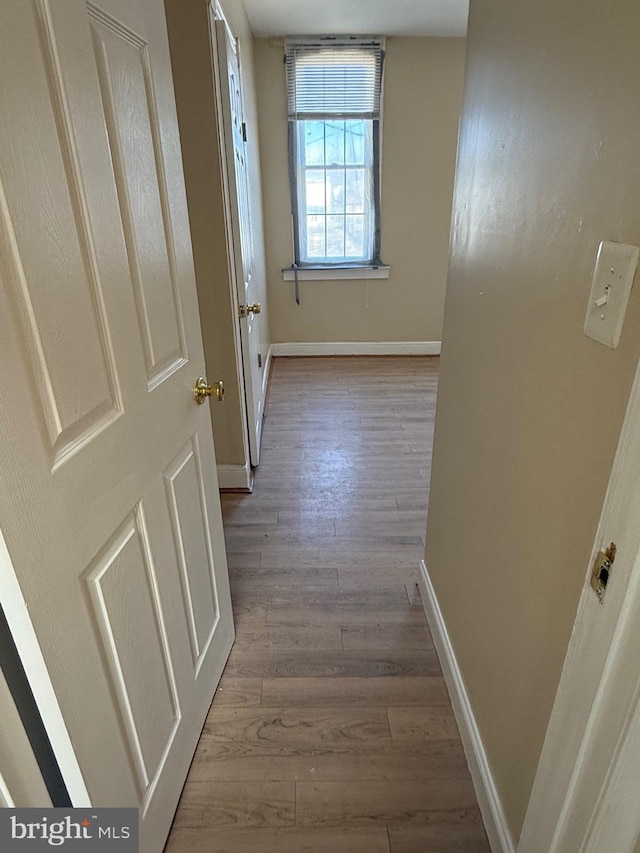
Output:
x=601 y=571
x=244 y=131
x=259 y=359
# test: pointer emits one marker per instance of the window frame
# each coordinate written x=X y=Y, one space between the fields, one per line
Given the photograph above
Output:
x=294 y=119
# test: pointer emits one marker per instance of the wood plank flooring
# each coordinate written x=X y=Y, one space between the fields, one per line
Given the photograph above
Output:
x=332 y=731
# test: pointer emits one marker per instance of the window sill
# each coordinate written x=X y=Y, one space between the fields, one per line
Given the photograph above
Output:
x=335 y=273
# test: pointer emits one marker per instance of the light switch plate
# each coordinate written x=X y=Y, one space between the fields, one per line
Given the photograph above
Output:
x=610 y=288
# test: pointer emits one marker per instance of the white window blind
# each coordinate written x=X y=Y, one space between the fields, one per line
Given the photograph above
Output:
x=335 y=78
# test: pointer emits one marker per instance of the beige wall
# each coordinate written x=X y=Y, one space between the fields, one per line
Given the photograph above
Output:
x=529 y=409
x=188 y=25
x=423 y=90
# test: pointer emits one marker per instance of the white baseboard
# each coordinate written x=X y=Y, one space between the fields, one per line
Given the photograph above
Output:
x=493 y=815
x=235 y=477
x=357 y=348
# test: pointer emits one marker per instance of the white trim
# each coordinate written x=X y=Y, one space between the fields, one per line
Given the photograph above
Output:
x=616 y=821
x=218 y=14
x=24 y=636
x=235 y=477
x=6 y=800
x=265 y=373
x=489 y=800
x=336 y=274
x=357 y=348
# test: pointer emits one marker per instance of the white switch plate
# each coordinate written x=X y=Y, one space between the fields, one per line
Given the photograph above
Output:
x=610 y=288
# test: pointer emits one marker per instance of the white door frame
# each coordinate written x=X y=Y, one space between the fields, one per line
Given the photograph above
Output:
x=22 y=782
x=593 y=730
x=216 y=13
x=24 y=636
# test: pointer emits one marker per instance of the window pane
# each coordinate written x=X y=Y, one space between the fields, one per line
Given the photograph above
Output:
x=354 y=143
x=314 y=189
x=334 y=143
x=335 y=236
x=313 y=143
x=315 y=237
x=335 y=201
x=335 y=191
x=354 y=243
x=355 y=196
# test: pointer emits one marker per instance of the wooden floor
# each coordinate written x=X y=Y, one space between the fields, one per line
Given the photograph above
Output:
x=331 y=731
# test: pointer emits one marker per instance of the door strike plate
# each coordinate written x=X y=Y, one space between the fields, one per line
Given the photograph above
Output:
x=601 y=571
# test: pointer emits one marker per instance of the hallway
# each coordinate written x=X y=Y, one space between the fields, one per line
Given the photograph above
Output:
x=331 y=731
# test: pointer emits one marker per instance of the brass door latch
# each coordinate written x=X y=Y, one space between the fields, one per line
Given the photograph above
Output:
x=245 y=310
x=201 y=390
x=601 y=571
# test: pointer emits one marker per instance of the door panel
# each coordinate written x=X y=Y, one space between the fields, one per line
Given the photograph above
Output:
x=192 y=538
x=123 y=588
x=126 y=83
x=51 y=249
x=109 y=503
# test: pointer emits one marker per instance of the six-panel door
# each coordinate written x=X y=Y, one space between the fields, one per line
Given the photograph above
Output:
x=109 y=503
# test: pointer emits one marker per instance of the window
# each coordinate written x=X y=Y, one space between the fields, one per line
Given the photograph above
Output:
x=334 y=92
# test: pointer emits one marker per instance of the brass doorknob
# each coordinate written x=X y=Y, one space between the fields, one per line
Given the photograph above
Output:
x=245 y=310
x=201 y=390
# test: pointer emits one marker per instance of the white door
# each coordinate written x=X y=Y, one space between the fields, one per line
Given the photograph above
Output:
x=109 y=503
x=587 y=787
x=235 y=152
x=615 y=824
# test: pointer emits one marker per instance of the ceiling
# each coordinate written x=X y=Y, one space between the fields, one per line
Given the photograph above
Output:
x=374 y=17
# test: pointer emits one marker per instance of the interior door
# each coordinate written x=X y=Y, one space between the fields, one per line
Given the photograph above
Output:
x=241 y=235
x=586 y=789
x=109 y=502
